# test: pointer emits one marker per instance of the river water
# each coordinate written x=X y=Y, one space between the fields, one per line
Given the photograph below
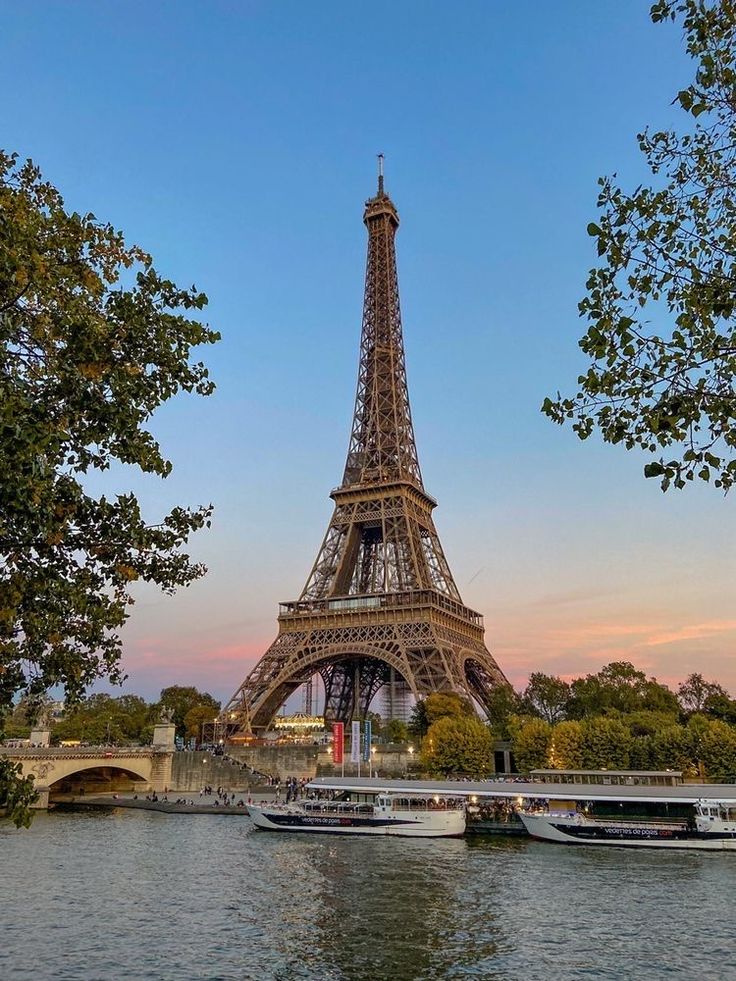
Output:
x=141 y=895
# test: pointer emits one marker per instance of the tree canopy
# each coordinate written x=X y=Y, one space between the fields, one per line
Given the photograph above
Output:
x=660 y=304
x=458 y=743
x=436 y=706
x=189 y=708
x=103 y=719
x=92 y=341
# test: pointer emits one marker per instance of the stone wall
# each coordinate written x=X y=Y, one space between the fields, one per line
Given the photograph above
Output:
x=192 y=771
x=280 y=761
x=388 y=761
x=311 y=761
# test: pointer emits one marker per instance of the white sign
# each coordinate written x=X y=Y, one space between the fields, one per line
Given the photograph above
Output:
x=355 y=743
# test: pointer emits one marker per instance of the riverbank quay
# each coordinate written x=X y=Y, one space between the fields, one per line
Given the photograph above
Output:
x=75 y=802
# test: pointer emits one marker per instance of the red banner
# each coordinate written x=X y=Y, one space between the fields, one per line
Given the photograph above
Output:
x=338 y=742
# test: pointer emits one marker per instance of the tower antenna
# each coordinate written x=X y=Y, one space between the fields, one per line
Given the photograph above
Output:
x=380 y=173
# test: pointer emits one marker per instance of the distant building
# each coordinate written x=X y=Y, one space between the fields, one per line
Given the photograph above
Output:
x=396 y=700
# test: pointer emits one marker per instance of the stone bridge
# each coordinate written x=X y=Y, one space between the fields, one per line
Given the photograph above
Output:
x=64 y=770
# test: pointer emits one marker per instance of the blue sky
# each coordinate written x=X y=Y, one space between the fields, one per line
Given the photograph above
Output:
x=236 y=142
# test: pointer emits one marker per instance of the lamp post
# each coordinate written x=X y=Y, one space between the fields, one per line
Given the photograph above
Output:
x=372 y=758
x=411 y=755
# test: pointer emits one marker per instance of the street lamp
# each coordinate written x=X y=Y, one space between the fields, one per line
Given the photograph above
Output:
x=372 y=759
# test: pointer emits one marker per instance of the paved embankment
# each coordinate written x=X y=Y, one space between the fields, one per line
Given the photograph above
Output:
x=166 y=807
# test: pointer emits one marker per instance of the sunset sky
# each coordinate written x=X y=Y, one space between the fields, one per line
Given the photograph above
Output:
x=236 y=142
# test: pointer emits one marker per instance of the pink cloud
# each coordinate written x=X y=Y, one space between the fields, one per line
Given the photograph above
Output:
x=693 y=632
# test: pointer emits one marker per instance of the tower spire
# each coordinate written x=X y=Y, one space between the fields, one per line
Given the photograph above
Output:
x=382 y=445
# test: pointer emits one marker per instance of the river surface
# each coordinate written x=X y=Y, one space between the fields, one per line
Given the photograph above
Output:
x=141 y=895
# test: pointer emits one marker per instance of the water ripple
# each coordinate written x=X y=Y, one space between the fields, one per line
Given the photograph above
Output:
x=135 y=895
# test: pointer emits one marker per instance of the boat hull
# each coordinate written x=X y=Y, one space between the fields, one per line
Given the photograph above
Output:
x=568 y=832
x=449 y=824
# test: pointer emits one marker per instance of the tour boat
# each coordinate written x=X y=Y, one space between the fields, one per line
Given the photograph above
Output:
x=415 y=816
x=713 y=828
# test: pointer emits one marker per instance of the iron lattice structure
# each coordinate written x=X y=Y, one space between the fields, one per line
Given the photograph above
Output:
x=380 y=601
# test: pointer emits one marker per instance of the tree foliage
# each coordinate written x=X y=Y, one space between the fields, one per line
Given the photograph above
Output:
x=102 y=719
x=704 y=747
x=606 y=744
x=196 y=718
x=92 y=341
x=566 y=749
x=549 y=696
x=503 y=704
x=661 y=335
x=17 y=794
x=531 y=741
x=695 y=692
x=181 y=700
x=396 y=731
x=436 y=706
x=458 y=743
x=619 y=687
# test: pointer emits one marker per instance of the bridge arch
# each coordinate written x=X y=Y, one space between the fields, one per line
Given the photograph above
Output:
x=98 y=776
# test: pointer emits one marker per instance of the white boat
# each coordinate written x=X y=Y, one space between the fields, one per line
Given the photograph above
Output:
x=713 y=828
x=413 y=816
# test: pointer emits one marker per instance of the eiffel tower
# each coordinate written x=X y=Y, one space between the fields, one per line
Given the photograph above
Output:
x=380 y=602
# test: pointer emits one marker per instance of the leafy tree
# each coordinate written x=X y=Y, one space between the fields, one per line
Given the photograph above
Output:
x=660 y=305
x=376 y=723
x=658 y=698
x=695 y=692
x=18 y=720
x=17 y=793
x=198 y=716
x=717 y=750
x=531 y=741
x=619 y=687
x=396 y=731
x=92 y=341
x=672 y=749
x=548 y=695
x=566 y=751
x=649 y=723
x=503 y=703
x=606 y=744
x=181 y=699
x=458 y=743
x=101 y=719
x=418 y=725
x=436 y=706
x=641 y=753
x=720 y=706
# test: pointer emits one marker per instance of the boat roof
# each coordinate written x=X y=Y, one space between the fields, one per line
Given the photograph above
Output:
x=682 y=793
x=608 y=773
